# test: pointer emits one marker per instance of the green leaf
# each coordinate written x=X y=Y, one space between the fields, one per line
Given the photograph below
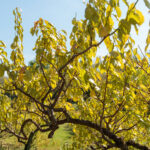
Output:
x=2 y=70
x=90 y=13
x=16 y=39
x=147 y=3
x=124 y=29
x=113 y=3
x=32 y=31
x=28 y=75
x=13 y=55
x=103 y=31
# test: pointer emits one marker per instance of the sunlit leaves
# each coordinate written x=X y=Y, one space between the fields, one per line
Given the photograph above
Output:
x=124 y=29
x=136 y=17
x=3 y=53
x=17 y=45
x=111 y=91
x=109 y=44
x=118 y=10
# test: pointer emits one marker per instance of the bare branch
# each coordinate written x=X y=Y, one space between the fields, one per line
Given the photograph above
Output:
x=137 y=145
x=44 y=75
x=126 y=129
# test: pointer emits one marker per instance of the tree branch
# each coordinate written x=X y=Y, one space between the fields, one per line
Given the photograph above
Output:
x=84 y=51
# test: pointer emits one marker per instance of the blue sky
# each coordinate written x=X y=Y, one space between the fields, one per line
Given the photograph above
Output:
x=58 y=12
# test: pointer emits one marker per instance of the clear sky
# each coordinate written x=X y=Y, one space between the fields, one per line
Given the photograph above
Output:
x=58 y=12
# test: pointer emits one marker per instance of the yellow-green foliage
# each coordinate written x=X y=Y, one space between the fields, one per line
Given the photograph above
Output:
x=105 y=100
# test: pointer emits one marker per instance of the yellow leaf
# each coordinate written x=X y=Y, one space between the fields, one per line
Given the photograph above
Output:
x=98 y=75
x=92 y=93
x=148 y=54
x=140 y=16
x=136 y=17
x=138 y=56
x=111 y=23
x=104 y=31
x=108 y=9
x=22 y=116
x=148 y=39
x=143 y=87
x=90 y=111
x=125 y=38
x=108 y=44
x=118 y=10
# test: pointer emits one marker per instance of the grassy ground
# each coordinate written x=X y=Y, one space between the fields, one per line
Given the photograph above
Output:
x=62 y=136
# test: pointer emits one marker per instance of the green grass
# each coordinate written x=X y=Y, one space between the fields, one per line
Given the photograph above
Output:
x=61 y=136
x=41 y=142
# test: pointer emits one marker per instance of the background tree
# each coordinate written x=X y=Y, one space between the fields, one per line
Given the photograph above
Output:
x=110 y=95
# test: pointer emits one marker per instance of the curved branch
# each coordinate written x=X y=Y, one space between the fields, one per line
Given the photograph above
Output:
x=137 y=145
x=119 y=142
x=84 y=51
